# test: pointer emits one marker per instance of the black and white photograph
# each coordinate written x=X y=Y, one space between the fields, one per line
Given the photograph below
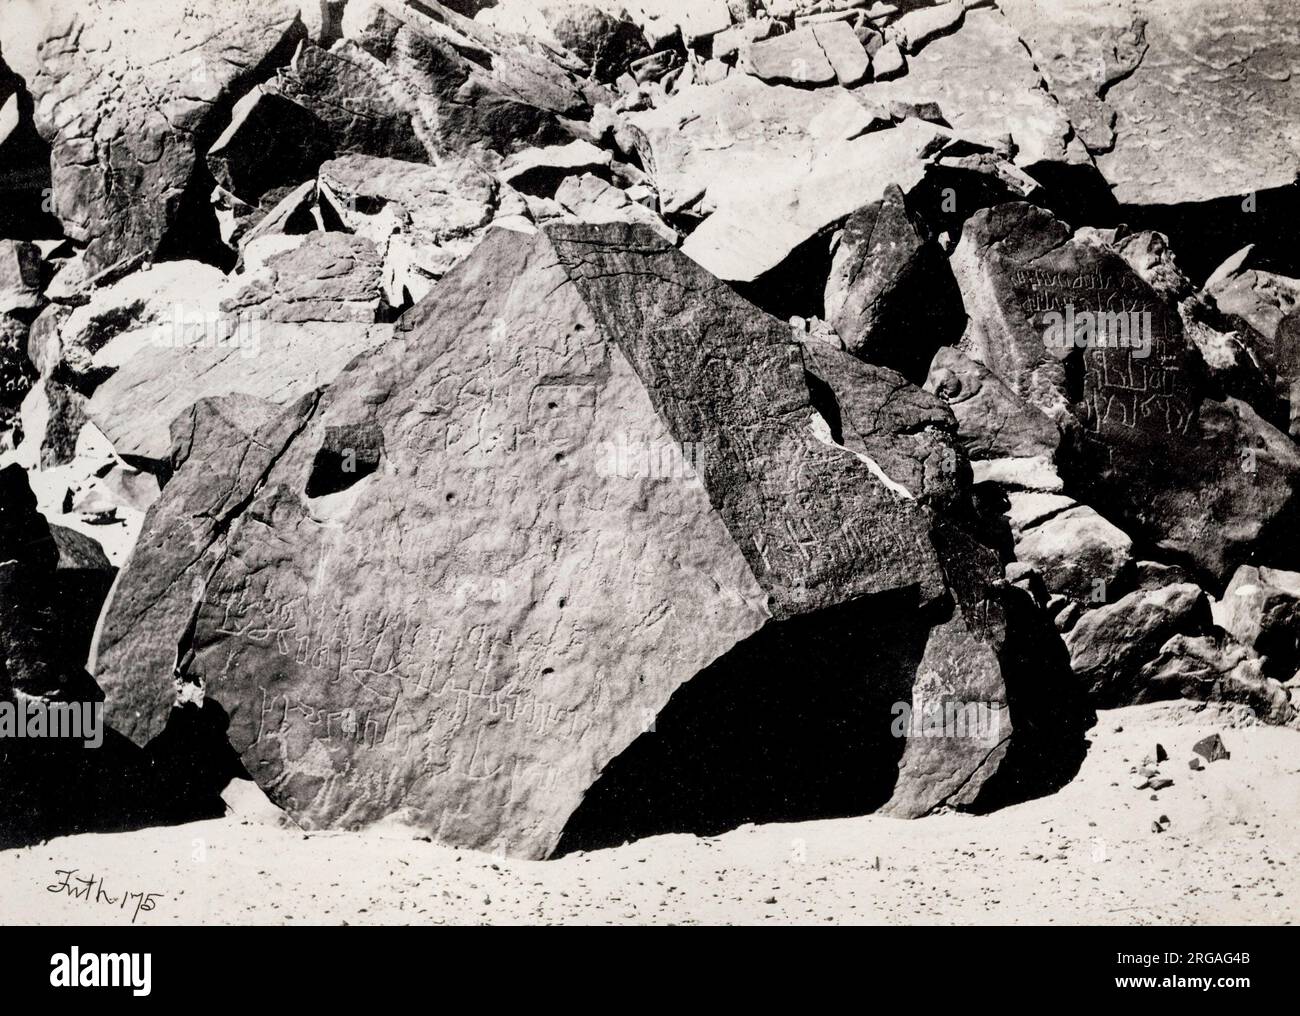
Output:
x=650 y=463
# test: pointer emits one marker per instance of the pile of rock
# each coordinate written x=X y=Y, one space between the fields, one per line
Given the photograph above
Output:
x=545 y=423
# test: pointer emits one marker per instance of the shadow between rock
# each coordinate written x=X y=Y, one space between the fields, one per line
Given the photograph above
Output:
x=792 y=724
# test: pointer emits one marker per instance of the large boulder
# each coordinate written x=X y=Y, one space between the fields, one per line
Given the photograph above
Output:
x=1069 y=325
x=1207 y=668
x=993 y=422
x=457 y=585
x=475 y=88
x=1110 y=645
x=1078 y=553
x=1260 y=608
x=130 y=99
x=891 y=296
x=771 y=166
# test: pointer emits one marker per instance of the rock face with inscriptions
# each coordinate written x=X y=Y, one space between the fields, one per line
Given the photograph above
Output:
x=457 y=585
x=1070 y=326
x=129 y=99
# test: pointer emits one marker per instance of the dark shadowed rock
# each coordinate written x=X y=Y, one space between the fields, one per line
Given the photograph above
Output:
x=891 y=295
x=271 y=143
x=1070 y=326
x=1212 y=748
x=1260 y=608
x=1110 y=645
x=82 y=578
x=582 y=474
x=1209 y=669
x=476 y=88
x=607 y=42
x=993 y=422
x=337 y=101
x=129 y=100
x=908 y=435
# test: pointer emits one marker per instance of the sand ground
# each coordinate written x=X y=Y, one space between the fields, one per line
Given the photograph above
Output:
x=1086 y=855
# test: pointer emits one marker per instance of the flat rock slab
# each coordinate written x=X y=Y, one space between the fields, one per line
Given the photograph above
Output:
x=1200 y=100
x=987 y=87
x=706 y=146
x=276 y=360
x=844 y=51
x=794 y=58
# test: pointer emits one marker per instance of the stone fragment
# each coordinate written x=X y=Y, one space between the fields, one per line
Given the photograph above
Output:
x=891 y=295
x=1111 y=645
x=1074 y=549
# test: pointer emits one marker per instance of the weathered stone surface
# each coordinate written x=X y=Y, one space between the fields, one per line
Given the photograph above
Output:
x=184 y=533
x=992 y=420
x=1260 y=359
x=82 y=578
x=1074 y=549
x=907 y=436
x=129 y=99
x=606 y=41
x=1209 y=669
x=1182 y=102
x=473 y=705
x=275 y=360
x=540 y=171
x=476 y=88
x=1031 y=473
x=891 y=295
x=794 y=58
x=760 y=225
x=167 y=295
x=329 y=277
x=270 y=143
x=923 y=24
x=1260 y=608
x=36 y=628
x=20 y=276
x=847 y=57
x=706 y=146
x=1110 y=645
x=888 y=62
x=590 y=199
x=423 y=219
x=988 y=87
x=1158 y=456
x=340 y=101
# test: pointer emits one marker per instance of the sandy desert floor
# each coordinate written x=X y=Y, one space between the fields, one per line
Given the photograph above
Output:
x=1087 y=855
